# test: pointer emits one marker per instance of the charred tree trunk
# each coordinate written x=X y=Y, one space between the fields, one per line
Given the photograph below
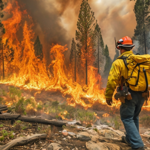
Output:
x=32 y=119
x=3 y=61
x=86 y=60
x=98 y=55
x=75 y=68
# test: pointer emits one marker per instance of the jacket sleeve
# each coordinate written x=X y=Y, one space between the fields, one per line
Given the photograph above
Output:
x=114 y=79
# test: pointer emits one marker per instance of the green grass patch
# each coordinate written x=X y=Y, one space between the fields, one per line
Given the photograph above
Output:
x=1 y=138
x=13 y=91
x=4 y=133
x=24 y=128
x=1 y=125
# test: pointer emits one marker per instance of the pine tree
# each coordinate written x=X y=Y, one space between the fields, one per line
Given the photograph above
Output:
x=116 y=55
x=38 y=48
x=142 y=31
x=99 y=46
x=2 y=32
x=73 y=57
x=108 y=61
x=85 y=29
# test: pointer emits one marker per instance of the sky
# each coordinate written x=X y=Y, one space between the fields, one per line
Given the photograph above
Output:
x=56 y=20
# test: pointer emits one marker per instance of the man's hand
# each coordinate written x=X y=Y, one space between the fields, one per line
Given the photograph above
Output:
x=109 y=101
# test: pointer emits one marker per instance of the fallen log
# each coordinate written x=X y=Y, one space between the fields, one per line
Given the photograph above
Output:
x=32 y=119
x=42 y=121
x=3 y=108
x=7 y=116
x=22 y=141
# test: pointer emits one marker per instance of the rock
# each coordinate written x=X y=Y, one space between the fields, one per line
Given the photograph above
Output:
x=95 y=138
x=64 y=132
x=74 y=122
x=84 y=133
x=71 y=134
x=54 y=146
x=81 y=128
x=64 y=139
x=84 y=136
x=120 y=133
x=92 y=132
x=147 y=133
x=93 y=135
x=101 y=146
x=111 y=134
x=68 y=137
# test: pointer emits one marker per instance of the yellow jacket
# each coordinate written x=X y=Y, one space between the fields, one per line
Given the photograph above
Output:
x=117 y=71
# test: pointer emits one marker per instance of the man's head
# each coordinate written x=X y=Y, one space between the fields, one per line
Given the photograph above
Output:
x=125 y=44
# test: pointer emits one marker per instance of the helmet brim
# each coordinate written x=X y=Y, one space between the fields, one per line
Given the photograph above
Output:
x=131 y=46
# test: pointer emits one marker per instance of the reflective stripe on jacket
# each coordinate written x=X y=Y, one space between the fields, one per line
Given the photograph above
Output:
x=117 y=71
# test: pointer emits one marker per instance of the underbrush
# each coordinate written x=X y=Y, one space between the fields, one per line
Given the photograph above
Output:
x=113 y=121
x=145 y=121
x=17 y=103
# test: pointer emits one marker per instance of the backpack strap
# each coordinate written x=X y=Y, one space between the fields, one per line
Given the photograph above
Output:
x=124 y=60
x=145 y=80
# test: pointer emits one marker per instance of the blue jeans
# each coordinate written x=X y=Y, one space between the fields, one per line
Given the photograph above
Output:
x=129 y=112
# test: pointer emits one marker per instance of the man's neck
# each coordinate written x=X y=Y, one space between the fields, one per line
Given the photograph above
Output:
x=122 y=51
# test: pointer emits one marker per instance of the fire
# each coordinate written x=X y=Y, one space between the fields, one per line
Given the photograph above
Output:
x=28 y=71
x=62 y=115
x=106 y=115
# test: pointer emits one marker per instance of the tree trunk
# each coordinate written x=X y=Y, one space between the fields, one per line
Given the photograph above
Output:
x=98 y=55
x=3 y=61
x=75 y=67
x=144 y=27
x=86 y=64
x=145 y=40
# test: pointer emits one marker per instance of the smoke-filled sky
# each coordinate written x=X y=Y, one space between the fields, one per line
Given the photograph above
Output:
x=56 y=20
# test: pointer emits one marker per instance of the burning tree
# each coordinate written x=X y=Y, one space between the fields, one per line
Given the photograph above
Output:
x=1 y=34
x=73 y=57
x=6 y=52
x=85 y=29
x=38 y=48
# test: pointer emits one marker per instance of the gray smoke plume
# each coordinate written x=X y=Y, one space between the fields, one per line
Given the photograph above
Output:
x=47 y=19
x=55 y=20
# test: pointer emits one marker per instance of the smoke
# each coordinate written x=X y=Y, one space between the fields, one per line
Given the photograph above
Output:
x=56 y=21
x=116 y=18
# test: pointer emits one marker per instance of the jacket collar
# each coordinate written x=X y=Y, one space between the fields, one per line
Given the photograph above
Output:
x=126 y=53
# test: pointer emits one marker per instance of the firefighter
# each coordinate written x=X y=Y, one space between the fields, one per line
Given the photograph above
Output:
x=130 y=109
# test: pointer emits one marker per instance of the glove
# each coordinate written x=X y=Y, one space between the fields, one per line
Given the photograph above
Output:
x=109 y=102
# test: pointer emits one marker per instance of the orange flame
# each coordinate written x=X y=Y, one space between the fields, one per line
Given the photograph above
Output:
x=106 y=115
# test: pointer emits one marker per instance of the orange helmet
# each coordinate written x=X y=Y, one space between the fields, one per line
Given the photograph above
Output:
x=125 y=42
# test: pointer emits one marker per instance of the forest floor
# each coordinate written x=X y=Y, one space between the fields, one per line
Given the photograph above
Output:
x=100 y=126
